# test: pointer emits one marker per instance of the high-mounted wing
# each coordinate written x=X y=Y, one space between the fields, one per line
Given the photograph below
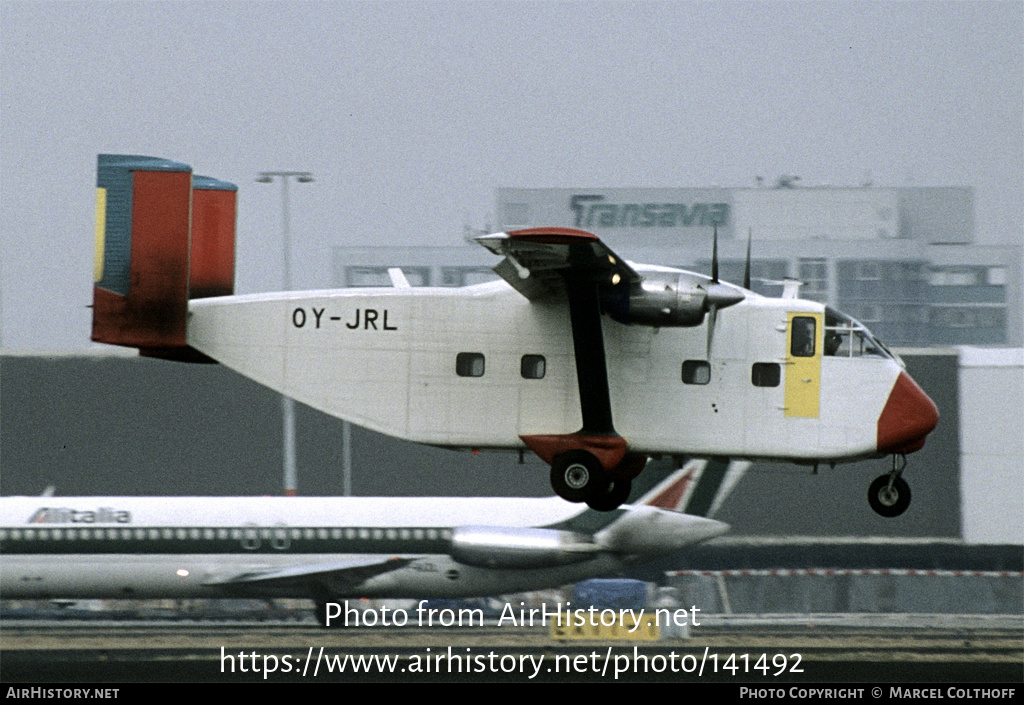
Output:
x=540 y=262
x=537 y=260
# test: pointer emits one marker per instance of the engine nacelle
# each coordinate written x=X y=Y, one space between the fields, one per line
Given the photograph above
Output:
x=507 y=547
x=668 y=299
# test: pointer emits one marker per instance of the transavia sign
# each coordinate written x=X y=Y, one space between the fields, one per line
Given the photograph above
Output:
x=593 y=211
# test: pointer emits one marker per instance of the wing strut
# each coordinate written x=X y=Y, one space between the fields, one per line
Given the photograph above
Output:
x=588 y=342
x=591 y=465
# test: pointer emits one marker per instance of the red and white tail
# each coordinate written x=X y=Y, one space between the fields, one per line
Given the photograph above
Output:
x=699 y=487
x=163 y=236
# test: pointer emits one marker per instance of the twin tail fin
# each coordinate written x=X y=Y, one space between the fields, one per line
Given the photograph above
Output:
x=163 y=236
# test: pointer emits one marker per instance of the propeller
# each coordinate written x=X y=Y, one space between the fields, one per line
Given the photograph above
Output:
x=719 y=295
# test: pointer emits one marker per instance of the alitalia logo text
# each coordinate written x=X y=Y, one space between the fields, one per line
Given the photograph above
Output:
x=66 y=515
x=593 y=211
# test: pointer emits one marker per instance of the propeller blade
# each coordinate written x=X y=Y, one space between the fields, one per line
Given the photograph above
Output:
x=714 y=256
x=719 y=295
x=746 y=269
x=712 y=317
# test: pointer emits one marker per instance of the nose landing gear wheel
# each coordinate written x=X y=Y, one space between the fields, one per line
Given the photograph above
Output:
x=889 y=501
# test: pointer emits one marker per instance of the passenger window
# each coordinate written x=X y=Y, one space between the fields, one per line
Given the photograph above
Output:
x=532 y=367
x=802 y=337
x=696 y=372
x=766 y=374
x=469 y=364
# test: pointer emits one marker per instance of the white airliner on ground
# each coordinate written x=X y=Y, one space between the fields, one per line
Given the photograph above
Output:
x=327 y=548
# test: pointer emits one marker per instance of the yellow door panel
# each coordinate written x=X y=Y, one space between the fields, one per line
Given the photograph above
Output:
x=803 y=365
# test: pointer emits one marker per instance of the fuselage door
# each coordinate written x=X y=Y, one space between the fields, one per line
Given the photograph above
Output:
x=803 y=365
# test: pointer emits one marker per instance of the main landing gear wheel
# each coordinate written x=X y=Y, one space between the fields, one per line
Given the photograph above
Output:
x=576 y=475
x=321 y=597
x=320 y=609
x=889 y=501
x=614 y=495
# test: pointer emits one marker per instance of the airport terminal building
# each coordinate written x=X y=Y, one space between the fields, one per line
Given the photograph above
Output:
x=901 y=260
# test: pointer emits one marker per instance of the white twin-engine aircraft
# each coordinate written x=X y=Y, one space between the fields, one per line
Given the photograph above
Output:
x=328 y=548
x=590 y=361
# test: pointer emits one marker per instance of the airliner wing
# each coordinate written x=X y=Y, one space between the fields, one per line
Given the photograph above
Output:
x=537 y=260
x=337 y=573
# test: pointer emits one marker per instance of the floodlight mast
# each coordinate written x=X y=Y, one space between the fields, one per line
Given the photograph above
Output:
x=287 y=403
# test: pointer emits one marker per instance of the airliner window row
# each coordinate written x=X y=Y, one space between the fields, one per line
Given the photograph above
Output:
x=249 y=533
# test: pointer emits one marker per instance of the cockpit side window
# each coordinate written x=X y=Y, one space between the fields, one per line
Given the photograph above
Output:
x=847 y=337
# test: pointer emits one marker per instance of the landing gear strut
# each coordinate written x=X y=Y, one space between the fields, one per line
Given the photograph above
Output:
x=889 y=494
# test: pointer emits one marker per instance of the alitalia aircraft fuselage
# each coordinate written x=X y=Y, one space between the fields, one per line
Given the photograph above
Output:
x=324 y=548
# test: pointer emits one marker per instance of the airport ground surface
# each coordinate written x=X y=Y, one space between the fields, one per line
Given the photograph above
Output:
x=865 y=649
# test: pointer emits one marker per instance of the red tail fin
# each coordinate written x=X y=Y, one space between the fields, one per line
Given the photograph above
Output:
x=162 y=237
x=213 y=238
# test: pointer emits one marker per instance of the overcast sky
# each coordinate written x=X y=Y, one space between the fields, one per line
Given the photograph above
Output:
x=410 y=114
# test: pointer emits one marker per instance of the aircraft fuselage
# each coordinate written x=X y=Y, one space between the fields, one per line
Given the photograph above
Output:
x=480 y=366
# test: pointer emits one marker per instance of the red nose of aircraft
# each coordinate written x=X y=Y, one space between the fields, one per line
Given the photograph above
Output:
x=907 y=419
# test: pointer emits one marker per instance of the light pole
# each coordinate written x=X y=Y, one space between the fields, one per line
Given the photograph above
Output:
x=287 y=403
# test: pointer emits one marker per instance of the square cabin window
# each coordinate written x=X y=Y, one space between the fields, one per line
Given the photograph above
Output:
x=766 y=374
x=469 y=364
x=696 y=372
x=532 y=367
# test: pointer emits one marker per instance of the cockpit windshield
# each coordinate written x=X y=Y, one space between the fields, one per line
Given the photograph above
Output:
x=848 y=337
